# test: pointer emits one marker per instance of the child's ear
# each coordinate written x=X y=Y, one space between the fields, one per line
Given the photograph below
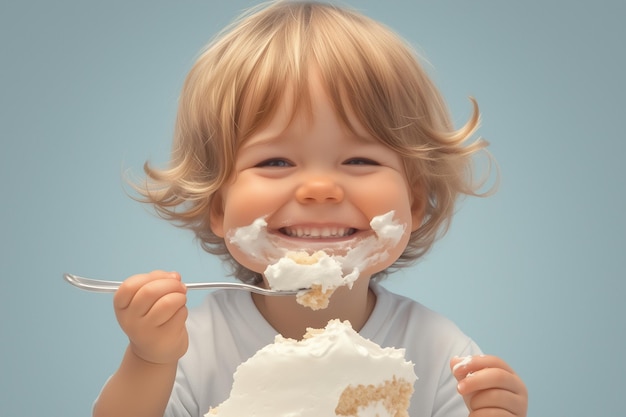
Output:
x=216 y=215
x=418 y=205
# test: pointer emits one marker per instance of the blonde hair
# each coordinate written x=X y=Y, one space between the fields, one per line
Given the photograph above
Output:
x=237 y=82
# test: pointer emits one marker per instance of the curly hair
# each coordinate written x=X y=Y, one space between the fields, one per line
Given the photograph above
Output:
x=237 y=82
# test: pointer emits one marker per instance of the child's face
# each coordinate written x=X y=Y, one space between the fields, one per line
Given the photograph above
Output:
x=317 y=183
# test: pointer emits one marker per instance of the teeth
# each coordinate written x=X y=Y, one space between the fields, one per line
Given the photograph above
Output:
x=318 y=233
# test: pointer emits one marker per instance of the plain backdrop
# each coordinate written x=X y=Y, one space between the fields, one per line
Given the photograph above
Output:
x=535 y=274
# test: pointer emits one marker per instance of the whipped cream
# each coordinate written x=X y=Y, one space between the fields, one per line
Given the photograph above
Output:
x=307 y=378
x=290 y=270
x=290 y=273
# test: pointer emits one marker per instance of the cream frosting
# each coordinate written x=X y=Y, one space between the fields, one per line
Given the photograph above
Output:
x=286 y=272
x=289 y=273
x=307 y=378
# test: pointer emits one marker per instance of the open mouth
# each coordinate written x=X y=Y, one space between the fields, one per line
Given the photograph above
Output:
x=318 y=232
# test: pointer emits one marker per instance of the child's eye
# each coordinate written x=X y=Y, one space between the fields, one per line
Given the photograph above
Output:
x=274 y=163
x=360 y=161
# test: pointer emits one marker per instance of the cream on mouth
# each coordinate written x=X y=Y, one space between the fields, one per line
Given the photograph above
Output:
x=353 y=248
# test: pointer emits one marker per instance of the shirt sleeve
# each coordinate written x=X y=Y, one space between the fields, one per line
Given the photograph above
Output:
x=181 y=402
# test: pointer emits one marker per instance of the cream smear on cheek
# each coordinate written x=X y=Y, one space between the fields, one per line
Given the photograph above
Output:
x=306 y=267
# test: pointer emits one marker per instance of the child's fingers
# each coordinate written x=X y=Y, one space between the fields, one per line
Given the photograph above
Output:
x=489 y=385
x=469 y=364
x=156 y=295
x=167 y=307
x=505 y=402
x=489 y=378
x=483 y=372
x=131 y=287
x=151 y=309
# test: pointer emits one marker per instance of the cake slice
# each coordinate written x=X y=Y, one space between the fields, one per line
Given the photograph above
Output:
x=331 y=372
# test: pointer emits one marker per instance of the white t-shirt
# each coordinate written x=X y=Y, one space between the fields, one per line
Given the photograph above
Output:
x=227 y=329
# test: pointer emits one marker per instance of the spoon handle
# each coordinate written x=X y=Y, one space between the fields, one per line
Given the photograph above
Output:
x=98 y=285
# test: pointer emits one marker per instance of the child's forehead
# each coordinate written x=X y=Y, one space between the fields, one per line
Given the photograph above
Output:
x=298 y=108
x=278 y=135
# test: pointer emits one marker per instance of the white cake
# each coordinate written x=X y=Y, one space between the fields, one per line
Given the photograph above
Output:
x=331 y=372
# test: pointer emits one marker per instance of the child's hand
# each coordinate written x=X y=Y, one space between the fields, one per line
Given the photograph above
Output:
x=151 y=310
x=490 y=387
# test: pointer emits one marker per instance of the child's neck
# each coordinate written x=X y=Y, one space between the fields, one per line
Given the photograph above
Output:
x=291 y=319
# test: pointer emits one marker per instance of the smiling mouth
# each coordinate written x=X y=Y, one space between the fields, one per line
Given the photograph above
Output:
x=318 y=232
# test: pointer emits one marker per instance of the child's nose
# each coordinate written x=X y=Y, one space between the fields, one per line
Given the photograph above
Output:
x=319 y=190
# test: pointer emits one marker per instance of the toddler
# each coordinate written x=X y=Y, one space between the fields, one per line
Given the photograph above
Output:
x=316 y=119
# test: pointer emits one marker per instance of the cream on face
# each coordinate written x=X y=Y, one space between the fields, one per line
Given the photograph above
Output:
x=330 y=267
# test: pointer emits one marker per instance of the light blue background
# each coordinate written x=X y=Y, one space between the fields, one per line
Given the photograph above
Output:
x=535 y=273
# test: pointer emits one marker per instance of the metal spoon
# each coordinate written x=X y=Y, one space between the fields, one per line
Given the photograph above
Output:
x=98 y=285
